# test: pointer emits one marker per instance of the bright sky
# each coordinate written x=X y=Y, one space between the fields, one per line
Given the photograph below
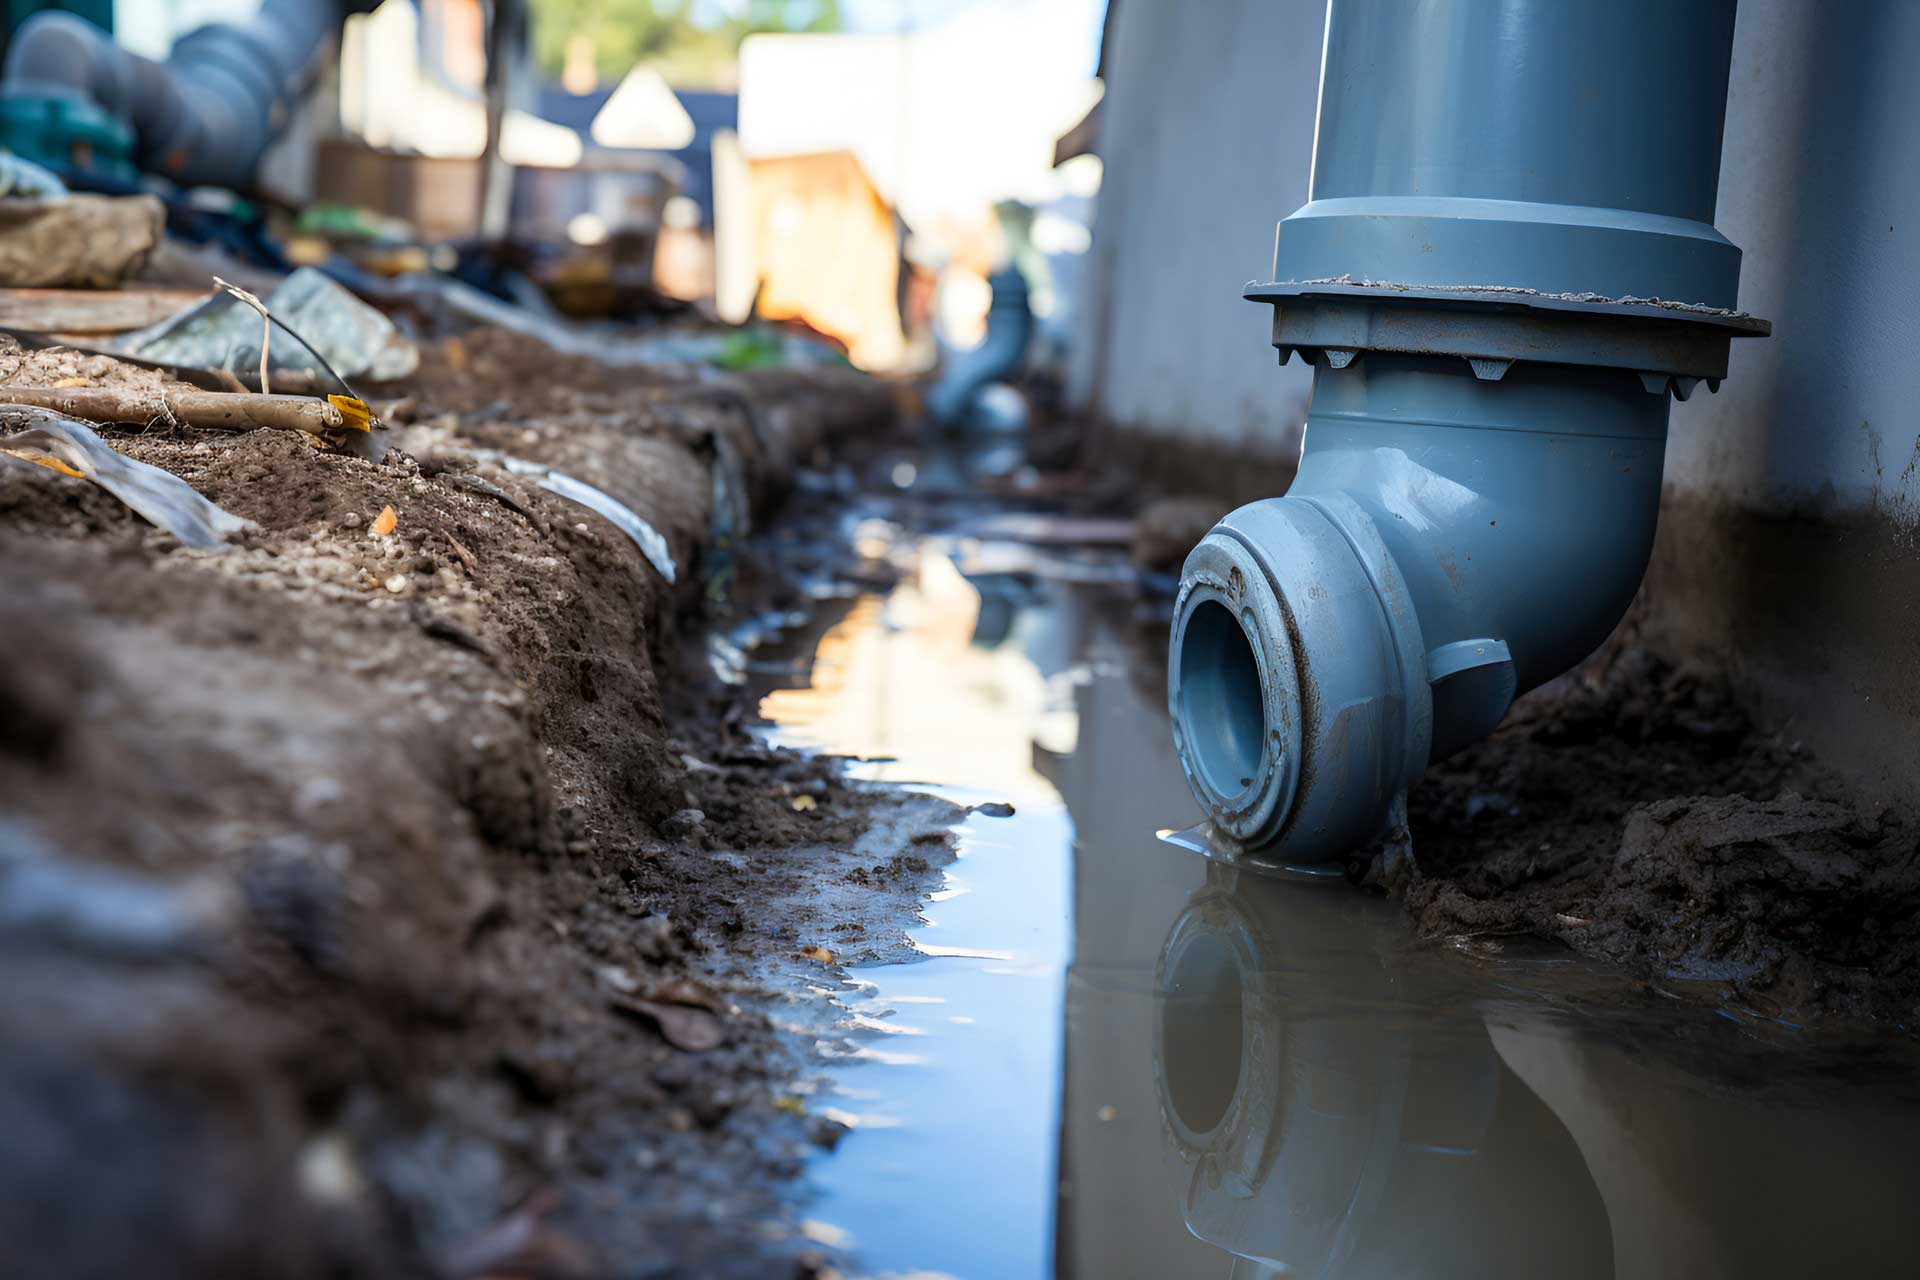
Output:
x=960 y=113
x=147 y=26
x=927 y=15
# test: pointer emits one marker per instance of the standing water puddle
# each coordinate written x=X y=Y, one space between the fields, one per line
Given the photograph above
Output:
x=1120 y=1059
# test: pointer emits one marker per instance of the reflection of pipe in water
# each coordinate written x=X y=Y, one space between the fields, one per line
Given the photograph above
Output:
x=1328 y=1131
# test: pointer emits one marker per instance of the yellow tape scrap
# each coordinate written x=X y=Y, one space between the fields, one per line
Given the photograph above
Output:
x=358 y=416
x=46 y=460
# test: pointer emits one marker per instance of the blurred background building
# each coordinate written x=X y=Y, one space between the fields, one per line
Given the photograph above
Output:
x=857 y=168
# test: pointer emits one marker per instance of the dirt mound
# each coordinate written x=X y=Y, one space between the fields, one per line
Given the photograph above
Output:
x=366 y=908
x=1636 y=811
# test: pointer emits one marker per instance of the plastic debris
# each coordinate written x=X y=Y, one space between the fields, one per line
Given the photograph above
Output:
x=383 y=524
x=652 y=545
x=326 y=332
x=98 y=908
x=20 y=177
x=160 y=497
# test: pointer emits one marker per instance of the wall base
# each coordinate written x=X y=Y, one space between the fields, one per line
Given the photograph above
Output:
x=1821 y=619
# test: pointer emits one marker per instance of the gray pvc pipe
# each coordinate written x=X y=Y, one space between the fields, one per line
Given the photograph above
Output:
x=206 y=115
x=1561 y=145
x=999 y=356
x=1459 y=530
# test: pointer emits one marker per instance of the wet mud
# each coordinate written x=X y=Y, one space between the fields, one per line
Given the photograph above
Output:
x=409 y=900
x=1644 y=813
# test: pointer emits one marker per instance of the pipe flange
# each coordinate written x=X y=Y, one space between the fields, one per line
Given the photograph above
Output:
x=1492 y=328
x=1244 y=763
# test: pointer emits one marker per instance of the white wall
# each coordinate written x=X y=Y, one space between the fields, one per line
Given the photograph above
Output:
x=1207 y=137
x=1820 y=187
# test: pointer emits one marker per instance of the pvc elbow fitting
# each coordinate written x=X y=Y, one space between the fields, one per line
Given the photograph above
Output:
x=1450 y=542
x=1504 y=266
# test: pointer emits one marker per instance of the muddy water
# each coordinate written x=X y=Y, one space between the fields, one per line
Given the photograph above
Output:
x=1117 y=1059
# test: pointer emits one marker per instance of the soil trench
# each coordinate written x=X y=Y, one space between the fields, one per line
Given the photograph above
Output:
x=367 y=905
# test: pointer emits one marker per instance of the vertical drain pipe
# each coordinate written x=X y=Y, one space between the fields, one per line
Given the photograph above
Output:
x=1506 y=264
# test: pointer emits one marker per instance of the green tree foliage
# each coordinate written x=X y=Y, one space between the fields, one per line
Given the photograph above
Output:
x=690 y=42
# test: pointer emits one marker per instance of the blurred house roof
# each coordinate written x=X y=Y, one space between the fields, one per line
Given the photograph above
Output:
x=709 y=112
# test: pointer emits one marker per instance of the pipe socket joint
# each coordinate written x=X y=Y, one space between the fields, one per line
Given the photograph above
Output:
x=1296 y=678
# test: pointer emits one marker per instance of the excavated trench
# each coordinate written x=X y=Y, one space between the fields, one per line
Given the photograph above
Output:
x=453 y=895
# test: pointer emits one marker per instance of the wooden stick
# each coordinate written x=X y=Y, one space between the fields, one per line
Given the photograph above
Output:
x=215 y=410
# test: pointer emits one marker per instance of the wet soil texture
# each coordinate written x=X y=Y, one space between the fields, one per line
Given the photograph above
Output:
x=1640 y=812
x=385 y=893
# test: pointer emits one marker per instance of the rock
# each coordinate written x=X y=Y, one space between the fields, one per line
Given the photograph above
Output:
x=76 y=241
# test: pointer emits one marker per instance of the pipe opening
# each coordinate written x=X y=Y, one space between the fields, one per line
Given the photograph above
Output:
x=1220 y=707
x=1200 y=1033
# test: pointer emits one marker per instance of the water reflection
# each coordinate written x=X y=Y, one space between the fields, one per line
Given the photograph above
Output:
x=1267 y=1076
x=1254 y=1076
x=1321 y=1131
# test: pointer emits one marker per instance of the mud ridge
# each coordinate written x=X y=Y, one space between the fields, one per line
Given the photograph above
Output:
x=366 y=906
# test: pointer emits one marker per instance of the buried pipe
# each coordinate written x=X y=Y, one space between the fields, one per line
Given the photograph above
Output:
x=1506 y=264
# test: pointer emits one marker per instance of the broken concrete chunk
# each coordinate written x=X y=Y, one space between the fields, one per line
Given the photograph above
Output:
x=76 y=241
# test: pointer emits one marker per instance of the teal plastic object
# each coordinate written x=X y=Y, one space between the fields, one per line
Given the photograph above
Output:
x=1506 y=264
x=67 y=133
x=98 y=12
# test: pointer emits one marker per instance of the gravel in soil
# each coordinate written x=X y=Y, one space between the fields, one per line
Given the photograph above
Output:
x=366 y=908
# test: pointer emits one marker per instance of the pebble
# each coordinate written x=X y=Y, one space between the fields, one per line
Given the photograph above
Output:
x=653 y=938
x=683 y=822
x=398 y=583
